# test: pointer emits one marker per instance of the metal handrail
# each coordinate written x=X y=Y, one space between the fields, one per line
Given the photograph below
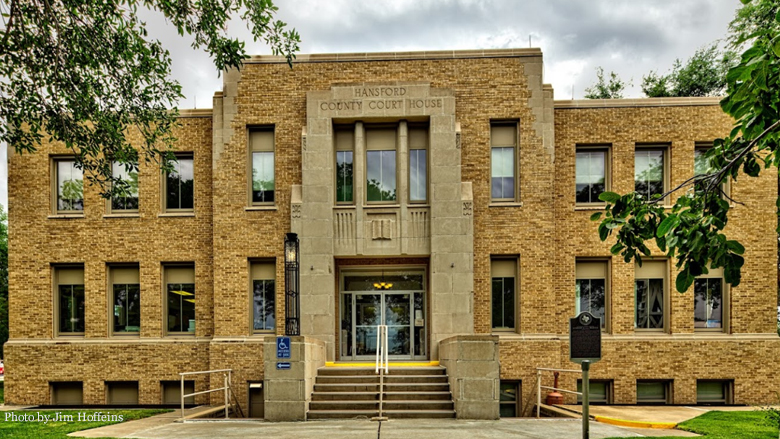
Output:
x=539 y=386
x=226 y=388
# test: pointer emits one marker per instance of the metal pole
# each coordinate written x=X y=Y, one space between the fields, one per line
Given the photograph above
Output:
x=182 y=396
x=226 y=396
x=585 y=400
x=538 y=393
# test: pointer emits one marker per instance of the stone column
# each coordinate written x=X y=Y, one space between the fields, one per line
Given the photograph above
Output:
x=473 y=371
x=288 y=391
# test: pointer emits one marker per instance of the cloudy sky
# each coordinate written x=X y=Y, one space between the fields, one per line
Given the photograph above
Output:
x=629 y=37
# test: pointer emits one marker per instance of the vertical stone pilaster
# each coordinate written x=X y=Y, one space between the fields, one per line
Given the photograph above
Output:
x=288 y=391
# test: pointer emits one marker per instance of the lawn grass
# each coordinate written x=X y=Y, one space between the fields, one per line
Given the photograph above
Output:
x=2 y=392
x=729 y=425
x=60 y=429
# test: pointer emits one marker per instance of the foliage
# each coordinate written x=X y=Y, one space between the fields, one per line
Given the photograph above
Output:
x=729 y=425
x=606 y=89
x=692 y=231
x=87 y=74
x=60 y=430
x=703 y=75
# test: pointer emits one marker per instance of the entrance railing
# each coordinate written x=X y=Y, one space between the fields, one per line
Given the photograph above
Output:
x=227 y=373
x=539 y=386
x=382 y=362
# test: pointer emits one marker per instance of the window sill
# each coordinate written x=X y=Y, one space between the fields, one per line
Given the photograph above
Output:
x=66 y=216
x=418 y=206
x=589 y=207
x=69 y=336
x=381 y=206
x=180 y=335
x=176 y=214
x=122 y=215
x=345 y=206
x=261 y=208
x=507 y=204
x=121 y=335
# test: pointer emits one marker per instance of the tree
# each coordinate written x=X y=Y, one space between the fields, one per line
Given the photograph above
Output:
x=603 y=89
x=86 y=74
x=3 y=279
x=703 y=75
x=692 y=232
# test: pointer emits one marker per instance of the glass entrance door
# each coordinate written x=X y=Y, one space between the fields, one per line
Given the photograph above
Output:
x=401 y=310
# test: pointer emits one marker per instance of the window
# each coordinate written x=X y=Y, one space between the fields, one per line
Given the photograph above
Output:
x=69 y=186
x=179 y=189
x=715 y=392
x=708 y=301
x=592 y=174
x=503 y=283
x=263 y=296
x=600 y=391
x=126 y=299
x=650 y=176
x=70 y=393
x=180 y=288
x=503 y=161
x=122 y=392
x=509 y=403
x=127 y=198
x=650 y=292
x=171 y=392
x=418 y=164
x=591 y=289
x=69 y=290
x=381 y=164
x=261 y=144
x=653 y=392
x=345 y=164
x=702 y=165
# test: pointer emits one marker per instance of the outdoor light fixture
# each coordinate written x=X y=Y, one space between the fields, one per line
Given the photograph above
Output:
x=383 y=285
x=292 y=281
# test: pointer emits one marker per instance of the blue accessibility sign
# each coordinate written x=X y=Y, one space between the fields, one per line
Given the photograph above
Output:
x=282 y=366
x=282 y=348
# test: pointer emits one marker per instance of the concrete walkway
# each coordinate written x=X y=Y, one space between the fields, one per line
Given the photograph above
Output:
x=364 y=429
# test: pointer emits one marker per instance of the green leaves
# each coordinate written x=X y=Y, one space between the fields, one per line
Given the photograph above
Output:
x=684 y=280
x=666 y=225
x=609 y=197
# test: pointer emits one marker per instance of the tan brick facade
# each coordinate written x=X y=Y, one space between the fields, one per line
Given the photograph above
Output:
x=543 y=229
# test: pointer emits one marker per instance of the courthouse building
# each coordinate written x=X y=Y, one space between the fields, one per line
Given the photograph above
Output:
x=446 y=195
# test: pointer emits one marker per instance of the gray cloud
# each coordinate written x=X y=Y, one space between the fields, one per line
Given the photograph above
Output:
x=576 y=36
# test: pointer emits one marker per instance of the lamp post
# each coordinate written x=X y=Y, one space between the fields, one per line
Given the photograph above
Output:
x=292 y=281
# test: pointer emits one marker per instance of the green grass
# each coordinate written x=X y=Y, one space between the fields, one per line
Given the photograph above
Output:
x=2 y=392
x=729 y=425
x=60 y=429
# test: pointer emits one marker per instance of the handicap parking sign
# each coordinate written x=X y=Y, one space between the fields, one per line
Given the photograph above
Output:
x=282 y=347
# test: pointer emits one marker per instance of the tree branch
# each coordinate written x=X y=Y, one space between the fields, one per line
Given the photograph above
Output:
x=8 y=28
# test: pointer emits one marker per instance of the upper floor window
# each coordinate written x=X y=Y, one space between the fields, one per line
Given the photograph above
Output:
x=503 y=274
x=69 y=302
x=650 y=172
x=650 y=295
x=263 y=182
x=702 y=165
x=180 y=303
x=179 y=187
x=345 y=164
x=127 y=197
x=709 y=301
x=381 y=173
x=126 y=299
x=69 y=186
x=418 y=164
x=263 y=296
x=503 y=161
x=591 y=289
x=592 y=174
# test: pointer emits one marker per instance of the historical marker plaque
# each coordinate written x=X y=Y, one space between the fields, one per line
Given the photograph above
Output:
x=585 y=338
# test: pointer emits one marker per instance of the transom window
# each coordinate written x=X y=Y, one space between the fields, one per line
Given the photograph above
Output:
x=381 y=174
x=261 y=142
x=179 y=184
x=180 y=291
x=503 y=287
x=263 y=296
x=591 y=174
x=503 y=161
x=649 y=293
x=69 y=186
x=650 y=171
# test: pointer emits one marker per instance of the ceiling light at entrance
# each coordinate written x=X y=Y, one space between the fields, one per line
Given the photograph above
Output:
x=382 y=285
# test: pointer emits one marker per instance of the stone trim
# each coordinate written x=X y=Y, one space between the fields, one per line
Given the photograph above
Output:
x=634 y=103
x=396 y=56
x=196 y=112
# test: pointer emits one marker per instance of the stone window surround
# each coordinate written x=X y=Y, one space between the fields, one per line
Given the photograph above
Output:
x=252 y=266
x=607 y=148
x=54 y=159
x=607 y=328
x=250 y=162
x=165 y=267
x=667 y=299
x=118 y=213
x=665 y=147
x=55 y=271
x=515 y=202
x=516 y=260
x=725 y=303
x=110 y=297
x=165 y=211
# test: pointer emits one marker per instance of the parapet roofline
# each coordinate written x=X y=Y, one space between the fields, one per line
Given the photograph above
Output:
x=397 y=56
x=634 y=103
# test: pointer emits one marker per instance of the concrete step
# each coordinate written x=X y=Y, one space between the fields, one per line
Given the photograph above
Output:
x=426 y=370
x=418 y=405
x=351 y=388
x=416 y=387
x=341 y=414
x=423 y=379
x=343 y=405
x=351 y=379
x=419 y=414
x=341 y=396
x=417 y=396
x=392 y=414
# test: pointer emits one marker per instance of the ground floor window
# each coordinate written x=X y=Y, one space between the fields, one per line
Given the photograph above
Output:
x=69 y=291
x=69 y=393
x=600 y=391
x=171 y=392
x=714 y=392
x=180 y=290
x=503 y=275
x=509 y=403
x=653 y=392
x=122 y=392
x=263 y=296
x=708 y=302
